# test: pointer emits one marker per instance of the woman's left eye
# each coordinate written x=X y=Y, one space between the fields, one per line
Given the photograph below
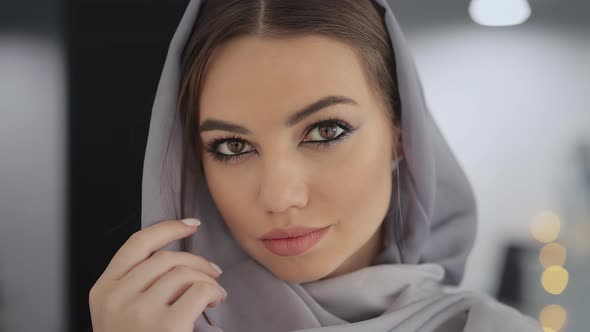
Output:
x=327 y=131
x=322 y=133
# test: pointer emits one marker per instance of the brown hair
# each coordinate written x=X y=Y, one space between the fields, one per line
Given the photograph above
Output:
x=359 y=23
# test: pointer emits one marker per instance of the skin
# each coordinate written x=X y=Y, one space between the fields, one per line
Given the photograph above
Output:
x=284 y=181
x=151 y=290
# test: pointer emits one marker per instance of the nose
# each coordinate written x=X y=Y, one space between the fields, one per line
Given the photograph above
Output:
x=282 y=184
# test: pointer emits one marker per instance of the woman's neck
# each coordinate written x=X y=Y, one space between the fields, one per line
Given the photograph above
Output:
x=363 y=257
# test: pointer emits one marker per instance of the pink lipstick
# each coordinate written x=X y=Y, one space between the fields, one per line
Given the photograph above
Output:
x=292 y=241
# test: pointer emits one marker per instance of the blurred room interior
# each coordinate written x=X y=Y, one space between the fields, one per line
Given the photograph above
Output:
x=509 y=88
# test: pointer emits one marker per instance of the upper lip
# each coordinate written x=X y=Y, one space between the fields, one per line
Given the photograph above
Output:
x=281 y=233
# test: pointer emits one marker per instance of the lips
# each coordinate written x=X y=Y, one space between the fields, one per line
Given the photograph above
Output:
x=288 y=243
x=279 y=233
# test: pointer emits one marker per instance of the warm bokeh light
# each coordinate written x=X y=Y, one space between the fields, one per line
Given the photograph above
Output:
x=555 y=279
x=553 y=317
x=545 y=226
x=552 y=254
x=548 y=329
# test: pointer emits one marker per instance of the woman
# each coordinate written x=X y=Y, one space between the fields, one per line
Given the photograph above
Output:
x=297 y=133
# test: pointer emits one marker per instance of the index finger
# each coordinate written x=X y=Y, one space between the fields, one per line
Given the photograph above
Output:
x=143 y=243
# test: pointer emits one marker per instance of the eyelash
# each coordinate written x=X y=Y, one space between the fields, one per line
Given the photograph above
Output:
x=325 y=144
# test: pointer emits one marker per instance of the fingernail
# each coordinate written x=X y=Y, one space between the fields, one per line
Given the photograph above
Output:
x=216 y=267
x=224 y=292
x=191 y=221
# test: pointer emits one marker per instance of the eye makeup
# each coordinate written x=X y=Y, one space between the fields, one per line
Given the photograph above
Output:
x=346 y=129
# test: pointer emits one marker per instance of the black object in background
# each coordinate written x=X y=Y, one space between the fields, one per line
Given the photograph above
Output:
x=115 y=53
x=514 y=274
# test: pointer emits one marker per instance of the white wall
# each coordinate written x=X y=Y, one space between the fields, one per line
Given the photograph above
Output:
x=512 y=102
x=32 y=184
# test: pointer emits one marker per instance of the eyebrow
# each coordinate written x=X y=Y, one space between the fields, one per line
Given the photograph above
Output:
x=292 y=119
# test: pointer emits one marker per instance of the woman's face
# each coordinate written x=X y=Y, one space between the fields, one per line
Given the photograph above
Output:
x=278 y=170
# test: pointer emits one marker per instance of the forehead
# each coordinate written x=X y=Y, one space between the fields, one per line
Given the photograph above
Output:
x=249 y=74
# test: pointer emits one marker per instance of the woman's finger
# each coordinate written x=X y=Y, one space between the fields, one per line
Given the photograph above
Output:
x=173 y=284
x=142 y=244
x=146 y=273
x=194 y=301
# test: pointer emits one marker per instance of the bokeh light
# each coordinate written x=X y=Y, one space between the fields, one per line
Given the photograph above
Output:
x=555 y=279
x=553 y=317
x=552 y=254
x=545 y=226
x=499 y=12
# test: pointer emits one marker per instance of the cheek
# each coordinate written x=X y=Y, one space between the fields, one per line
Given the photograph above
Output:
x=228 y=188
x=362 y=171
x=359 y=187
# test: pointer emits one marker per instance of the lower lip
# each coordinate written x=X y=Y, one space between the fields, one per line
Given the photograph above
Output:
x=294 y=246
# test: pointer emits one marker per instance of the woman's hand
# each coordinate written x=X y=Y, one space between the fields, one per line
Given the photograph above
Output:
x=145 y=290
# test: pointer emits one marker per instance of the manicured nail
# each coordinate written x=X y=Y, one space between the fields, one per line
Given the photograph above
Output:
x=216 y=267
x=224 y=292
x=191 y=221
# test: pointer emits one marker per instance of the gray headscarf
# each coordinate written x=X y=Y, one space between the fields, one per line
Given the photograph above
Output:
x=438 y=212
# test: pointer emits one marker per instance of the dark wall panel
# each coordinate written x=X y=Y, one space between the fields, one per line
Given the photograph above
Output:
x=116 y=50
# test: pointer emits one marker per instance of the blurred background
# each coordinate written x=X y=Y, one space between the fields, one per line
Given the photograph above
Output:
x=507 y=80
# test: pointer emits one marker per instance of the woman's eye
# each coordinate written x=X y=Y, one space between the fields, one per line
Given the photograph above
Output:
x=228 y=149
x=231 y=147
x=322 y=134
x=325 y=132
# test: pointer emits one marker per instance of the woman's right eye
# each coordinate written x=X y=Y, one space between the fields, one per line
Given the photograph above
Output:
x=227 y=149
x=231 y=147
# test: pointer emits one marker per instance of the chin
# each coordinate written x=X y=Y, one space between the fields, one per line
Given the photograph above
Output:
x=303 y=270
x=308 y=267
x=297 y=277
